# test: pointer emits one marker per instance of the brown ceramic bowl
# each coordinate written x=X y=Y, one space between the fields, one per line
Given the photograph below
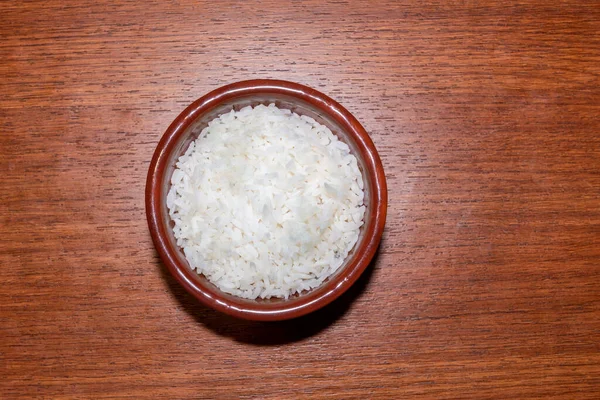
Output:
x=302 y=100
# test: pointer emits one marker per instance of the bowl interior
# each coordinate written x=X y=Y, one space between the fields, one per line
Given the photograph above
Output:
x=298 y=106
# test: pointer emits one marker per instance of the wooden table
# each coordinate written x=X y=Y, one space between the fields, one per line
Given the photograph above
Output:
x=487 y=118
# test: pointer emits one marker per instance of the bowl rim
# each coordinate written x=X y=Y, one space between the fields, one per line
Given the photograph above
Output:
x=212 y=296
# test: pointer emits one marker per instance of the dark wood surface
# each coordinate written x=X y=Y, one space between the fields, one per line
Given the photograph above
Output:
x=487 y=118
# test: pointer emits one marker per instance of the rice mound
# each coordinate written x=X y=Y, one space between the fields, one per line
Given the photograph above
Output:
x=266 y=203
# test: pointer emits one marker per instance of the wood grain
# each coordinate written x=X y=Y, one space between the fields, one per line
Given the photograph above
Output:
x=487 y=118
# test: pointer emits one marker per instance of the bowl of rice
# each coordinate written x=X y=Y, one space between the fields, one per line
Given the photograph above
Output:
x=266 y=199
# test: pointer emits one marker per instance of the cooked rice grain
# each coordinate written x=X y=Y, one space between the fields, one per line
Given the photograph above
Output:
x=266 y=203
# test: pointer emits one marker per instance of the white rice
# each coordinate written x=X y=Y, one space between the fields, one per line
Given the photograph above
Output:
x=266 y=203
